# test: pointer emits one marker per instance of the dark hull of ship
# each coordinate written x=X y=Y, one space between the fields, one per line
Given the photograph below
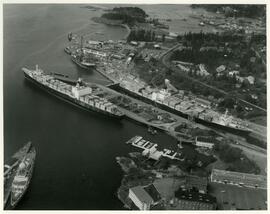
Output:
x=72 y=100
x=14 y=202
x=81 y=65
x=240 y=132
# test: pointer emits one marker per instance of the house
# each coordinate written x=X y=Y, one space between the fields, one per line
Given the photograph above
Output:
x=174 y=35
x=204 y=142
x=220 y=69
x=252 y=59
x=182 y=67
x=254 y=96
x=232 y=73
x=134 y=43
x=140 y=197
x=251 y=80
x=240 y=79
x=192 y=200
x=202 y=71
x=157 y=46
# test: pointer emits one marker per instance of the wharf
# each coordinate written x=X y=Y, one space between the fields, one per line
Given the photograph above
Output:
x=150 y=149
x=167 y=127
x=106 y=75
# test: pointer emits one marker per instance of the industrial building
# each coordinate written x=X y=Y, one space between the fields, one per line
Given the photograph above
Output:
x=204 y=142
x=144 y=197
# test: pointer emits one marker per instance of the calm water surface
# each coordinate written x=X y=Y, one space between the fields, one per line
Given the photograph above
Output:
x=75 y=165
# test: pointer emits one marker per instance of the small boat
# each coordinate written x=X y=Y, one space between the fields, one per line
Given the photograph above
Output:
x=67 y=50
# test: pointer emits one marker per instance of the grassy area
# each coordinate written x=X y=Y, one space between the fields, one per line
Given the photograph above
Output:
x=235 y=159
x=261 y=120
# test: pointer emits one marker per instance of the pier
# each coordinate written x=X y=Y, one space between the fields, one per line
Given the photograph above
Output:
x=150 y=149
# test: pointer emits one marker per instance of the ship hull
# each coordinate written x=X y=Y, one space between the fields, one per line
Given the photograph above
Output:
x=81 y=65
x=232 y=130
x=14 y=201
x=70 y=99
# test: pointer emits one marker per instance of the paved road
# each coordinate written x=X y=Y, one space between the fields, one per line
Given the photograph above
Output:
x=167 y=64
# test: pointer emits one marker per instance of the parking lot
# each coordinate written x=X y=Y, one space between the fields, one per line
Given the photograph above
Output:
x=230 y=197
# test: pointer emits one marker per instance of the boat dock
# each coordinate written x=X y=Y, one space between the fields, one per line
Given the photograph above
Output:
x=150 y=149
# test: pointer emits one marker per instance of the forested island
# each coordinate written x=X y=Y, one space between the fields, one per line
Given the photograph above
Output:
x=235 y=10
x=123 y=15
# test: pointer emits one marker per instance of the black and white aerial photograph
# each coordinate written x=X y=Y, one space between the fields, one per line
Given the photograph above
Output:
x=134 y=106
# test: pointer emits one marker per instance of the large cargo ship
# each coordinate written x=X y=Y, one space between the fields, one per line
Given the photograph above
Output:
x=22 y=178
x=187 y=108
x=79 y=94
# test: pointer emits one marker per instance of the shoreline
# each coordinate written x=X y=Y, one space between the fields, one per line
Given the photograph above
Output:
x=112 y=23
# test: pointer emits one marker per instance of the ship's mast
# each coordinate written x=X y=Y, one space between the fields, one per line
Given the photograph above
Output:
x=226 y=113
x=81 y=48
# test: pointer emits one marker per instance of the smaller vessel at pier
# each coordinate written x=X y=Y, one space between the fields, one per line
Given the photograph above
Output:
x=80 y=58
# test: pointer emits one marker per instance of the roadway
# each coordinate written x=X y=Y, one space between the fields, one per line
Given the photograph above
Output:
x=166 y=63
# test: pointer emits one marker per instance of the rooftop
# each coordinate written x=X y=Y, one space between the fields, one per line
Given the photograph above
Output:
x=152 y=191
x=141 y=194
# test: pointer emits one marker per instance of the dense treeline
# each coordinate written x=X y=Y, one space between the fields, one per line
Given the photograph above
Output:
x=235 y=158
x=235 y=52
x=141 y=35
x=128 y=15
x=197 y=40
x=237 y=10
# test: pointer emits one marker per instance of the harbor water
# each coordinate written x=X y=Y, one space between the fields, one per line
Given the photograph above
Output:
x=75 y=164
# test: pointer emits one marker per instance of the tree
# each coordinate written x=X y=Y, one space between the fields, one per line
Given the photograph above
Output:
x=163 y=37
